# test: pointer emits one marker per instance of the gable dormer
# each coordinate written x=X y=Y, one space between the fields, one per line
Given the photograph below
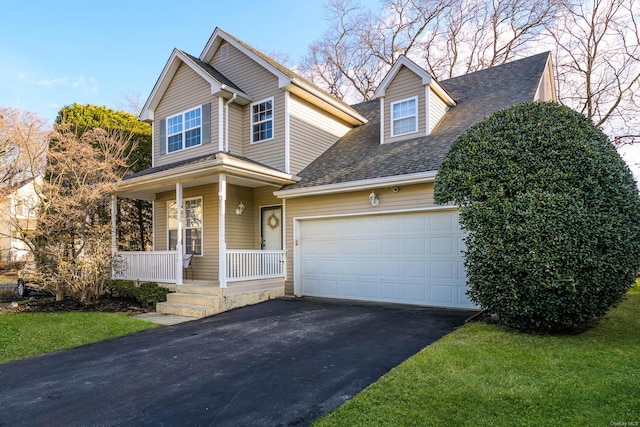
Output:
x=412 y=102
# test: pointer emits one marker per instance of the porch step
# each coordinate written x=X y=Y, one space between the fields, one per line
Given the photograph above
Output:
x=193 y=299
x=200 y=289
x=188 y=310
x=203 y=301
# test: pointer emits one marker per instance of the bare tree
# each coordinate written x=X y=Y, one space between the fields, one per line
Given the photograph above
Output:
x=597 y=57
x=595 y=45
x=23 y=142
x=447 y=37
x=477 y=34
x=71 y=244
x=342 y=62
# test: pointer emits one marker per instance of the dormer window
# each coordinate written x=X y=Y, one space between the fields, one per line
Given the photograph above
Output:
x=262 y=121
x=404 y=116
x=184 y=130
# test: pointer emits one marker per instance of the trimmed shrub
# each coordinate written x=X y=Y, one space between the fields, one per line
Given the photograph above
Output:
x=552 y=214
x=145 y=293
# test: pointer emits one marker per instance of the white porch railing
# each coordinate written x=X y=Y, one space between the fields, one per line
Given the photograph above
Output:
x=244 y=264
x=156 y=266
x=160 y=266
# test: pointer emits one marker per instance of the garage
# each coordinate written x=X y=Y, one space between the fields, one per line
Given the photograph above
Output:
x=409 y=258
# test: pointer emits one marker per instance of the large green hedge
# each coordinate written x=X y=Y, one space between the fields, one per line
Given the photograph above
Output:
x=552 y=215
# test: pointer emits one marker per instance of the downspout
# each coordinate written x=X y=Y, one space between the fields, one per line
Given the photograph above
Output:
x=226 y=121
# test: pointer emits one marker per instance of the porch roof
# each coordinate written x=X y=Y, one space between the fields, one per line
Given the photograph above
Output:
x=199 y=171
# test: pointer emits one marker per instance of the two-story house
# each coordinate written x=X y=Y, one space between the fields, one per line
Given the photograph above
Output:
x=18 y=208
x=276 y=187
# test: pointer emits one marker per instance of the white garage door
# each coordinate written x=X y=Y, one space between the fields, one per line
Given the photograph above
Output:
x=410 y=258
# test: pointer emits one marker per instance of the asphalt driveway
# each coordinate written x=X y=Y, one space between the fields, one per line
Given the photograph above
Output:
x=282 y=362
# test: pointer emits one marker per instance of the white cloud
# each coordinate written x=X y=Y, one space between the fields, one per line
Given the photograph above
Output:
x=53 y=82
x=83 y=84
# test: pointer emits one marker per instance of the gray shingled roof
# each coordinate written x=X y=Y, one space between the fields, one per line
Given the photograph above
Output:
x=193 y=161
x=359 y=155
x=212 y=72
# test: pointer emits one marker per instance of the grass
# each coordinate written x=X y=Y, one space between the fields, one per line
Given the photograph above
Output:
x=29 y=334
x=487 y=375
x=8 y=278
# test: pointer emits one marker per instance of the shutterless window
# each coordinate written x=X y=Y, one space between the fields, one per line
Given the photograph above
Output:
x=262 y=121
x=184 y=130
x=191 y=228
x=404 y=116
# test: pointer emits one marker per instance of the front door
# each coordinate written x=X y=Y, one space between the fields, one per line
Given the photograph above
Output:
x=271 y=228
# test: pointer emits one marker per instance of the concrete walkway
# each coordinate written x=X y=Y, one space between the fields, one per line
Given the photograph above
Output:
x=164 y=319
x=281 y=362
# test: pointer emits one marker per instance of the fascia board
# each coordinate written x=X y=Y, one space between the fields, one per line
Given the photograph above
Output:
x=169 y=71
x=365 y=184
x=224 y=164
x=326 y=102
x=402 y=61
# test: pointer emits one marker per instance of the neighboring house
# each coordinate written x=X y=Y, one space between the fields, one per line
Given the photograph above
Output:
x=18 y=208
x=284 y=188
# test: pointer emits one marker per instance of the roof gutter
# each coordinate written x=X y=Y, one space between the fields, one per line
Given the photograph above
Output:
x=190 y=171
x=361 y=185
x=351 y=115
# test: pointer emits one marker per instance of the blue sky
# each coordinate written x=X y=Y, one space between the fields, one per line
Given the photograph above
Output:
x=56 y=53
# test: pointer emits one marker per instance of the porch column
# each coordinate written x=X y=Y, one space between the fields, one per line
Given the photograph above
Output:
x=222 y=238
x=114 y=223
x=179 y=232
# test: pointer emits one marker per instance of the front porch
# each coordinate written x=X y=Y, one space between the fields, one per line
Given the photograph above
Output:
x=252 y=276
x=225 y=217
x=242 y=265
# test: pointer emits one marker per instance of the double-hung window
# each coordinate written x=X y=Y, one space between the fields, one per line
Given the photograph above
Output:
x=191 y=227
x=262 y=120
x=404 y=116
x=184 y=130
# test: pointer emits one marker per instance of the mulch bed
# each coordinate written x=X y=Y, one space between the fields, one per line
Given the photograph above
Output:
x=47 y=304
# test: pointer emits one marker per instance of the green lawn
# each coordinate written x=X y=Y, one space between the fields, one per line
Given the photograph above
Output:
x=8 y=278
x=30 y=334
x=483 y=375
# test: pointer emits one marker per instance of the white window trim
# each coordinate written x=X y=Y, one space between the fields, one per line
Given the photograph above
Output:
x=392 y=119
x=184 y=130
x=184 y=227
x=273 y=114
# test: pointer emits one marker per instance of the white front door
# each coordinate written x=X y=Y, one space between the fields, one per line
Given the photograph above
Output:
x=271 y=228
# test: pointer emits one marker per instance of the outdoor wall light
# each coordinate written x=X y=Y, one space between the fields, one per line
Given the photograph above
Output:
x=373 y=199
x=240 y=209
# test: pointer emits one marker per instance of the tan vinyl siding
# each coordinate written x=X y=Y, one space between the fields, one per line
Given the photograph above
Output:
x=205 y=267
x=240 y=229
x=312 y=132
x=408 y=197
x=545 y=89
x=260 y=84
x=405 y=85
x=187 y=90
x=437 y=109
x=236 y=136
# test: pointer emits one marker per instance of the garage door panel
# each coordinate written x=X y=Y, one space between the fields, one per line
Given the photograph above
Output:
x=442 y=246
x=411 y=258
x=392 y=247
x=442 y=294
x=442 y=270
x=416 y=293
x=443 y=222
x=415 y=270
